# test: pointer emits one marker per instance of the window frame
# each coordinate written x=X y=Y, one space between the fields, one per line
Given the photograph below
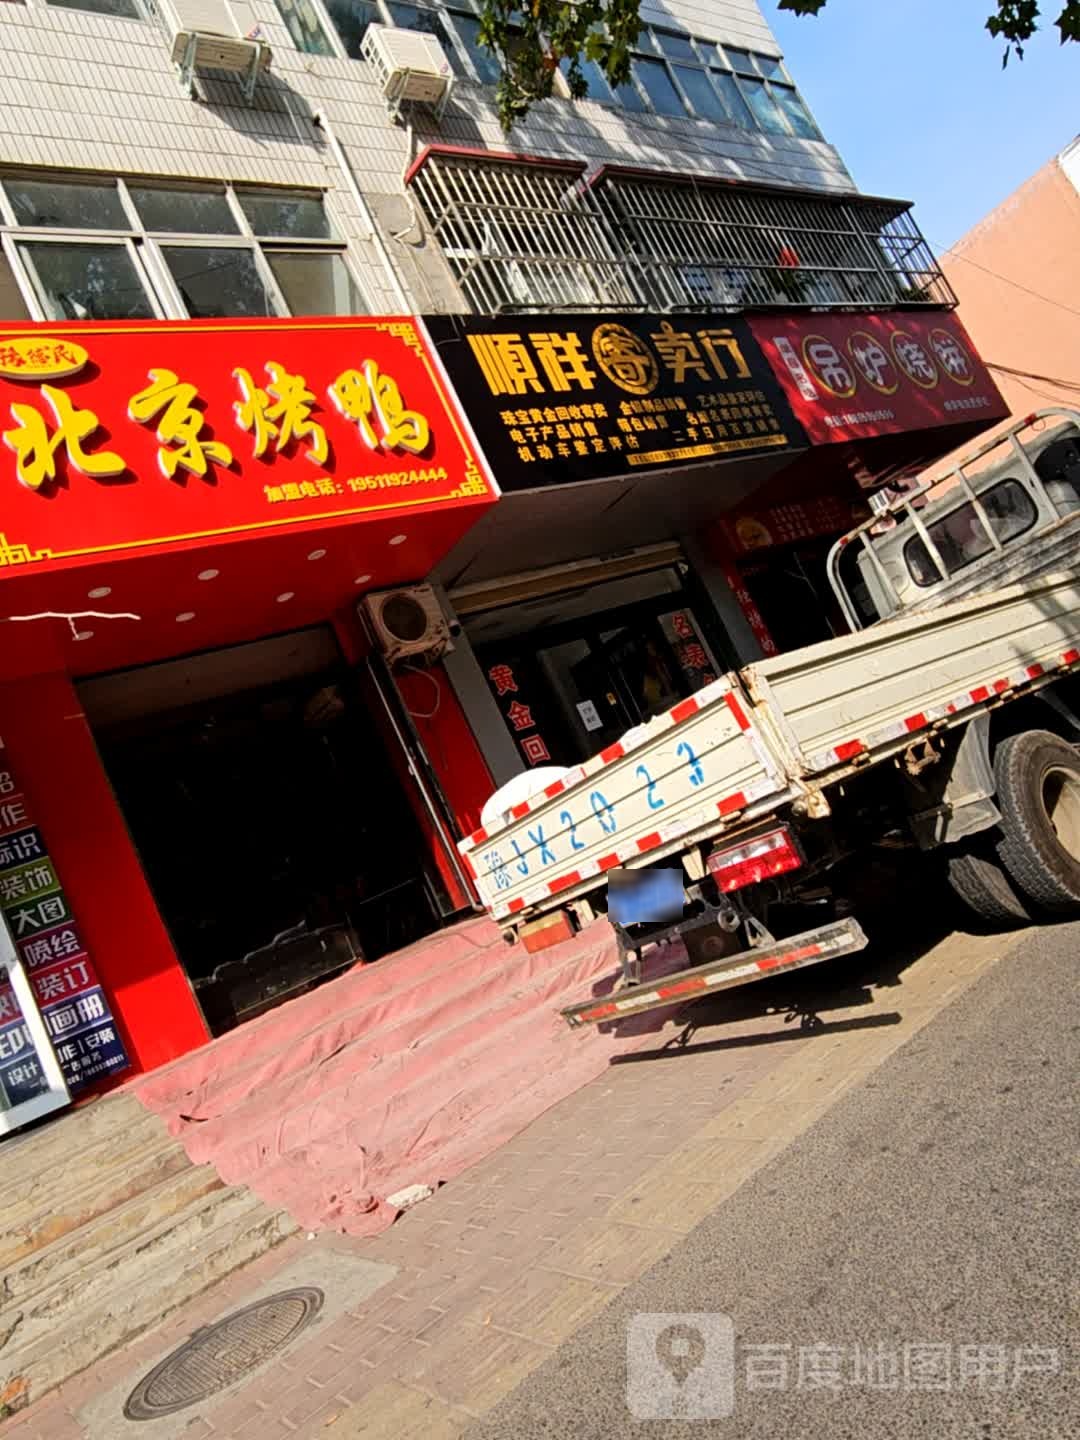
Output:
x=1009 y=483
x=145 y=247
x=711 y=59
x=142 y=16
x=22 y=266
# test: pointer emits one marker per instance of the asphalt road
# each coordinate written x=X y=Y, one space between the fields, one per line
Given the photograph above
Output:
x=907 y=1268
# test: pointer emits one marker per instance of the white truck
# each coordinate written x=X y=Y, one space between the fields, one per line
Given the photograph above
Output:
x=948 y=720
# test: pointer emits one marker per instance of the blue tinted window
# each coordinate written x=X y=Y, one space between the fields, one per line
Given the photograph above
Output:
x=657 y=83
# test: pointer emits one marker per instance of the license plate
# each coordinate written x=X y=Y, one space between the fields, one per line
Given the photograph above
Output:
x=639 y=897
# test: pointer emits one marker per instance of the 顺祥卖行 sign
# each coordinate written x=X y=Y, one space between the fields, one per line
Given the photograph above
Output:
x=554 y=398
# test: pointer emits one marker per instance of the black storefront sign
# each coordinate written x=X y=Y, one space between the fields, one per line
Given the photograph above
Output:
x=555 y=398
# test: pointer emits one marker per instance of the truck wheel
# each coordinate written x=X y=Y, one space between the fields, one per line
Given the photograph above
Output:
x=1038 y=793
x=981 y=885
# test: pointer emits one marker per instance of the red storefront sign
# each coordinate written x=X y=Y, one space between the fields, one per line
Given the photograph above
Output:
x=125 y=437
x=852 y=377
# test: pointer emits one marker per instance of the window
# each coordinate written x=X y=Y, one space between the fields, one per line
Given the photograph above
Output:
x=217 y=281
x=795 y=112
x=315 y=282
x=704 y=100
x=86 y=281
x=295 y=216
x=630 y=97
x=66 y=204
x=484 y=62
x=302 y=21
x=960 y=537
x=125 y=8
x=104 y=248
x=737 y=107
x=766 y=111
x=12 y=304
x=175 y=211
x=740 y=61
x=678 y=47
x=351 y=19
x=599 y=89
x=658 y=85
x=675 y=73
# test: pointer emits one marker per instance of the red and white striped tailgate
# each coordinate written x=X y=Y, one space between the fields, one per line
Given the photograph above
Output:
x=692 y=771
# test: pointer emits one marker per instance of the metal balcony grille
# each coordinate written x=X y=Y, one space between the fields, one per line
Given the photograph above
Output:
x=531 y=235
x=518 y=235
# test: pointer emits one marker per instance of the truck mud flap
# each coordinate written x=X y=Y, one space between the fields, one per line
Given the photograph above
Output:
x=843 y=937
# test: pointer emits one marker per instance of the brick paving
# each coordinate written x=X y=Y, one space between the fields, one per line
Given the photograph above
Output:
x=505 y=1262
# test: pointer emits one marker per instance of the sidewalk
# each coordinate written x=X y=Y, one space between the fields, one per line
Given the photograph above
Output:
x=427 y=1325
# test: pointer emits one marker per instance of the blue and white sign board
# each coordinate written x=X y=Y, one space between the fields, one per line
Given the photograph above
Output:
x=31 y=1081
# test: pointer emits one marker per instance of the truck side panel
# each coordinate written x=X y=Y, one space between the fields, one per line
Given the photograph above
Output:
x=860 y=695
x=687 y=773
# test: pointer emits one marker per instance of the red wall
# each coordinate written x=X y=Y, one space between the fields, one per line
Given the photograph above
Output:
x=53 y=756
x=448 y=741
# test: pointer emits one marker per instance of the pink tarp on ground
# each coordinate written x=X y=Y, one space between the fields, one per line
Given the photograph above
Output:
x=400 y=1073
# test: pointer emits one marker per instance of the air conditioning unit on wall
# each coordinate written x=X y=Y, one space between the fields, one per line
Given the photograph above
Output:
x=409 y=65
x=215 y=35
x=407 y=622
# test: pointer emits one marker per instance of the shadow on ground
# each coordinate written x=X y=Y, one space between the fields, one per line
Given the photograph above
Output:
x=905 y=912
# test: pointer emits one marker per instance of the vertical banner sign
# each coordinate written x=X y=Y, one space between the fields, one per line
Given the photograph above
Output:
x=509 y=679
x=31 y=1082
x=685 y=639
x=73 y=1005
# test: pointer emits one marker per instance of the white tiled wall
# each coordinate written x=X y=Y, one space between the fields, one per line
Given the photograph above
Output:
x=740 y=22
x=97 y=93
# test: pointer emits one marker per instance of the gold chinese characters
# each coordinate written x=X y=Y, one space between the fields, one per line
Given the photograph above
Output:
x=278 y=416
x=35 y=447
x=513 y=363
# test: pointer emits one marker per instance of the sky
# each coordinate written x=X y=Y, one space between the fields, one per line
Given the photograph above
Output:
x=912 y=94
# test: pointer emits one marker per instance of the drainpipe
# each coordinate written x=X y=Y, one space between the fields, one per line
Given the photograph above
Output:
x=322 y=123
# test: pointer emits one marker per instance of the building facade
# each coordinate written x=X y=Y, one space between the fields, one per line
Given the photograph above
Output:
x=667 y=348
x=1016 y=275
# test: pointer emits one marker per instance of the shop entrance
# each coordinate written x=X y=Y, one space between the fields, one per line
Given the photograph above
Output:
x=273 y=830
x=599 y=662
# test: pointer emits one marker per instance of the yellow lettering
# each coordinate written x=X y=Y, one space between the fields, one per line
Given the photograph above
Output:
x=35 y=448
x=179 y=424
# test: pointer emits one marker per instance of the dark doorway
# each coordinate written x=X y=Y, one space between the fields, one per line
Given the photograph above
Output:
x=791 y=590
x=566 y=690
x=274 y=833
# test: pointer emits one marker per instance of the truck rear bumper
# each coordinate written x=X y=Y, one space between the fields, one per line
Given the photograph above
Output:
x=842 y=937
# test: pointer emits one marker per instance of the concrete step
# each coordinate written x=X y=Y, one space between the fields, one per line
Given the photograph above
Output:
x=68 y=1139
x=49 y=1265
x=120 y=1289
x=75 y=1190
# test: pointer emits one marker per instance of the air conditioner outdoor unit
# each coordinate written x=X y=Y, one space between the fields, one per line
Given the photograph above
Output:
x=215 y=35
x=409 y=65
x=407 y=622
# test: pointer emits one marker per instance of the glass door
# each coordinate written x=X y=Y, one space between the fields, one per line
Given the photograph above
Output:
x=31 y=1081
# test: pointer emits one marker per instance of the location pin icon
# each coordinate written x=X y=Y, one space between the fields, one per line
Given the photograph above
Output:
x=680 y=1349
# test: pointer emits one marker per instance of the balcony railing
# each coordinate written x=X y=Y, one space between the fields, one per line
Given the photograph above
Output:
x=524 y=234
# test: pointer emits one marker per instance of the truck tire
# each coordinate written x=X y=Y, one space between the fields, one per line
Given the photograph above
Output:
x=982 y=886
x=1038 y=793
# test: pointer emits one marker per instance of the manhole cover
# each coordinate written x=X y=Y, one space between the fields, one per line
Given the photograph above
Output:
x=221 y=1354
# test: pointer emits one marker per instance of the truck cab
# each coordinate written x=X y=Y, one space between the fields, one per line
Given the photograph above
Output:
x=964 y=532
